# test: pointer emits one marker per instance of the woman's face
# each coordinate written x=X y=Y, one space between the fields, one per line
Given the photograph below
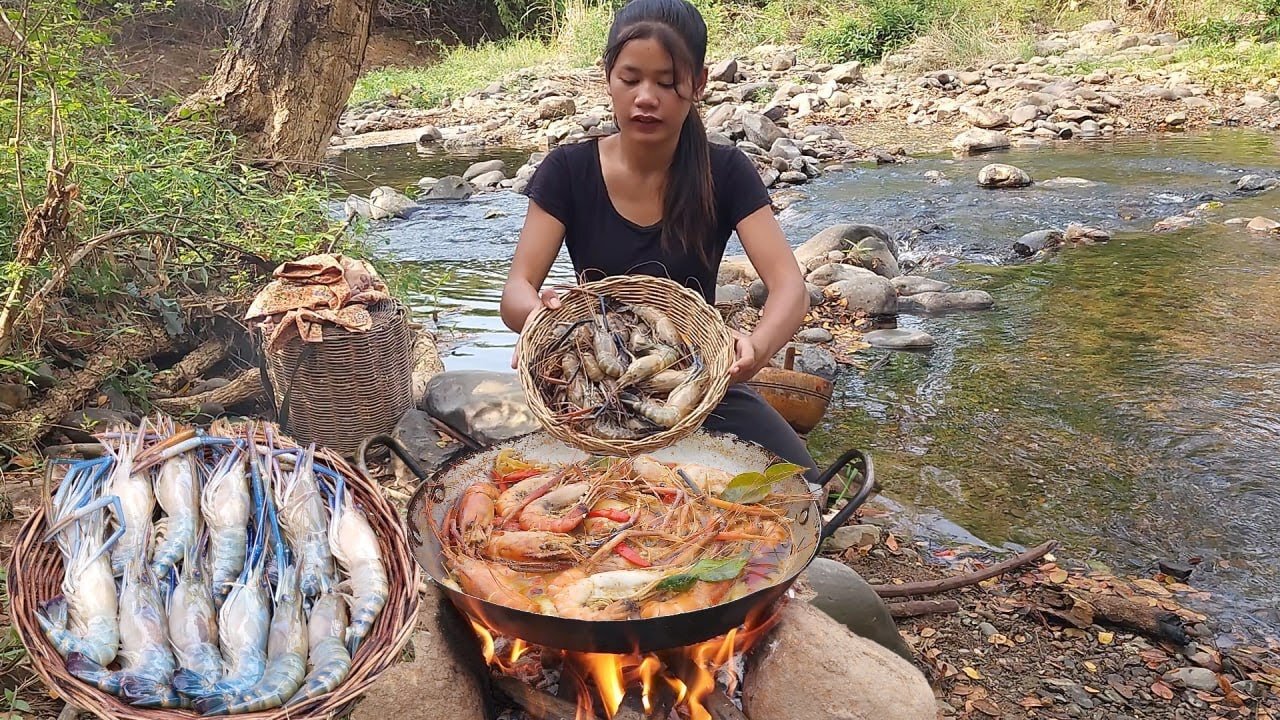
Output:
x=649 y=103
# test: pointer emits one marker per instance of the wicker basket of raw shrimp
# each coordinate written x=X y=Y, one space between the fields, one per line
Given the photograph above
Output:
x=625 y=365
x=214 y=573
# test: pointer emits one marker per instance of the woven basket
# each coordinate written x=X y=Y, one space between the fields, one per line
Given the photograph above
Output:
x=35 y=576
x=351 y=386
x=699 y=322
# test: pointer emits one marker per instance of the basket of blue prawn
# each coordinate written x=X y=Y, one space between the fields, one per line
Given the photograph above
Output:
x=229 y=571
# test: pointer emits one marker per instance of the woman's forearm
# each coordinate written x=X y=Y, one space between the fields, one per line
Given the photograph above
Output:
x=519 y=298
x=783 y=313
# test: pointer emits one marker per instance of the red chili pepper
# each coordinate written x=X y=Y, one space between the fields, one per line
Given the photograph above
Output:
x=519 y=475
x=630 y=554
x=610 y=514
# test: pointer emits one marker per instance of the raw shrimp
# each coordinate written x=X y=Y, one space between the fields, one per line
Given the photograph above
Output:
x=559 y=511
x=193 y=622
x=328 y=661
x=303 y=520
x=85 y=619
x=658 y=358
x=604 y=596
x=531 y=546
x=667 y=380
x=664 y=330
x=679 y=403
x=137 y=501
x=286 y=656
x=356 y=548
x=605 y=346
x=146 y=660
x=178 y=491
x=224 y=503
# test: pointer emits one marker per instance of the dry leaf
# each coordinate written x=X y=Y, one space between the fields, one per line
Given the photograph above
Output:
x=972 y=673
x=987 y=707
x=999 y=639
x=1058 y=576
x=1208 y=697
x=928 y=632
x=1162 y=690
x=1031 y=701
x=1106 y=638
x=1151 y=586
x=1090 y=666
x=962 y=690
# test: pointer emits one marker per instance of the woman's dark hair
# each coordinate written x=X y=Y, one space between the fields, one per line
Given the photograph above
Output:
x=689 y=208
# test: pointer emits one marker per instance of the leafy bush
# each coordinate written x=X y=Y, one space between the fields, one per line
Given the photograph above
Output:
x=872 y=31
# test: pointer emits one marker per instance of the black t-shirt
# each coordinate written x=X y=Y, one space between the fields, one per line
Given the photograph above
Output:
x=570 y=186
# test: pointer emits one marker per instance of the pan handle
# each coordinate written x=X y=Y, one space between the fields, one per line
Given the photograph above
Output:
x=862 y=462
x=402 y=452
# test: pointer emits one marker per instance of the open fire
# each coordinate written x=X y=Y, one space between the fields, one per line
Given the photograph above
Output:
x=679 y=679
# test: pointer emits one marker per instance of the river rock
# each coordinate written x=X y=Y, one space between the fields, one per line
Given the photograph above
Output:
x=730 y=295
x=816 y=296
x=450 y=187
x=915 y=284
x=1196 y=678
x=79 y=425
x=356 y=206
x=736 y=269
x=1256 y=183
x=389 y=203
x=1067 y=182
x=984 y=117
x=555 y=108
x=938 y=302
x=810 y=359
x=439 y=682
x=429 y=135
x=1083 y=235
x=977 y=140
x=811 y=666
x=419 y=436
x=852 y=536
x=844 y=73
x=814 y=335
x=839 y=237
x=480 y=168
x=870 y=293
x=489 y=180
x=1101 y=27
x=724 y=71
x=1263 y=224
x=15 y=395
x=488 y=406
x=760 y=129
x=837 y=590
x=1034 y=242
x=876 y=255
x=999 y=175
x=757 y=293
x=721 y=115
x=1024 y=114
x=898 y=339
x=836 y=272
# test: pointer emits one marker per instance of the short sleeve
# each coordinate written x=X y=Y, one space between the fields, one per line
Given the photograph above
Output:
x=551 y=186
x=739 y=187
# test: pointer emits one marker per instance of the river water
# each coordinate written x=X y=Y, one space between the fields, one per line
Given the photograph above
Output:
x=1123 y=398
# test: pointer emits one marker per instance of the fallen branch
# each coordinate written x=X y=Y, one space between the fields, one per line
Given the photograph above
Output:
x=931 y=587
x=244 y=387
x=1086 y=608
x=195 y=364
x=24 y=428
x=916 y=608
x=45 y=226
x=544 y=706
x=721 y=707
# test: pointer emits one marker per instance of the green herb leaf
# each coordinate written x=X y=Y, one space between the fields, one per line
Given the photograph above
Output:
x=717 y=570
x=782 y=471
x=677 y=583
x=751 y=487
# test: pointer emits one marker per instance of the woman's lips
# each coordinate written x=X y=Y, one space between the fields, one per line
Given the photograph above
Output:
x=647 y=122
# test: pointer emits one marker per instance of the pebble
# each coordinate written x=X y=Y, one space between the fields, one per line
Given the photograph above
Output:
x=898 y=339
x=814 y=335
x=987 y=629
x=1197 y=678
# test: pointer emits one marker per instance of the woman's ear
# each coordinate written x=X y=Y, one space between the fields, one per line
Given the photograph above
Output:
x=700 y=84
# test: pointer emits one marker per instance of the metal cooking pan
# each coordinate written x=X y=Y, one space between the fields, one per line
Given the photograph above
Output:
x=623 y=636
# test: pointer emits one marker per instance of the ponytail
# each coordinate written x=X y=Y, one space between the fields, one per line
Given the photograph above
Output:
x=689 y=208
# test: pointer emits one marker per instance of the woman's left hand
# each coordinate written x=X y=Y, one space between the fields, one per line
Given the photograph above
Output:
x=748 y=358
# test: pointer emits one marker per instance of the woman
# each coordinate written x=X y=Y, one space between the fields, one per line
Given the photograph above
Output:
x=658 y=199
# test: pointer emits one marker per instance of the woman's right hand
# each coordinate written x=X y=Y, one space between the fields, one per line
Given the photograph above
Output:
x=547 y=299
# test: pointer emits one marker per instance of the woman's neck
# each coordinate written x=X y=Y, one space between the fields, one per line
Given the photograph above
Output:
x=645 y=159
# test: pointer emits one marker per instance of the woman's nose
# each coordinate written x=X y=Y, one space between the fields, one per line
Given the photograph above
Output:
x=647 y=96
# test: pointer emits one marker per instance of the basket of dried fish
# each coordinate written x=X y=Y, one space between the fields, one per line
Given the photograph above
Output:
x=625 y=365
x=277 y=582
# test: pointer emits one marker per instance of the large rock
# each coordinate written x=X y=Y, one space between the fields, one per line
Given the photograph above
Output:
x=985 y=118
x=977 y=140
x=486 y=166
x=736 y=269
x=724 y=71
x=79 y=425
x=898 y=339
x=915 y=284
x=869 y=293
x=938 y=302
x=840 y=592
x=841 y=238
x=450 y=187
x=999 y=175
x=1037 y=240
x=555 y=108
x=730 y=295
x=489 y=180
x=810 y=359
x=837 y=272
x=488 y=406
x=877 y=256
x=844 y=73
x=761 y=130
x=811 y=666
x=1256 y=183
x=387 y=202
x=416 y=431
x=439 y=682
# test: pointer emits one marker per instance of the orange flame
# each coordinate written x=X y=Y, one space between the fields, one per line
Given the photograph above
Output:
x=650 y=666
x=606 y=671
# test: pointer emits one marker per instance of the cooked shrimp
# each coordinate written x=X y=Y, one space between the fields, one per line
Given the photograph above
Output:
x=701 y=595
x=531 y=546
x=513 y=497
x=604 y=596
x=476 y=512
x=558 y=511
x=490 y=582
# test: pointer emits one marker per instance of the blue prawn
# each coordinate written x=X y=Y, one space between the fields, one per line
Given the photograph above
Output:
x=355 y=546
x=329 y=662
x=303 y=519
x=178 y=491
x=224 y=504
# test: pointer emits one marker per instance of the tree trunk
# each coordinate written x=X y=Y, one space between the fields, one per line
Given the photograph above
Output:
x=285 y=79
